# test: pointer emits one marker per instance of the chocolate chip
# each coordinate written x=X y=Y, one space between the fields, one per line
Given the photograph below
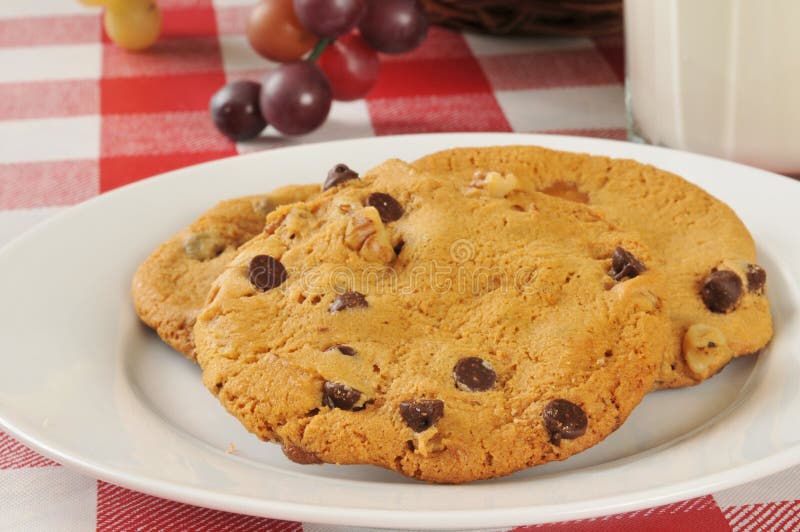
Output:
x=564 y=420
x=421 y=414
x=388 y=207
x=399 y=247
x=343 y=349
x=625 y=265
x=756 y=278
x=721 y=291
x=474 y=374
x=348 y=300
x=338 y=175
x=299 y=455
x=338 y=395
x=266 y=272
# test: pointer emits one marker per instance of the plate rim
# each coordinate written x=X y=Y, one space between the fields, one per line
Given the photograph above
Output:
x=426 y=519
x=534 y=514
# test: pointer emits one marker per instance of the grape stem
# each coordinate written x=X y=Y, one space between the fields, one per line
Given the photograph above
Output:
x=319 y=48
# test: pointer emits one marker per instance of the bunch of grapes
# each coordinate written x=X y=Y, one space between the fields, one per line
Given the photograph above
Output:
x=130 y=24
x=329 y=50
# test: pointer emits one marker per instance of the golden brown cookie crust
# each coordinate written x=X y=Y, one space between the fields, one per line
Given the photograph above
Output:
x=523 y=286
x=690 y=233
x=171 y=285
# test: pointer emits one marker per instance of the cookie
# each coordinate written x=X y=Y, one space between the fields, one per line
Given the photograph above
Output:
x=446 y=331
x=715 y=290
x=170 y=286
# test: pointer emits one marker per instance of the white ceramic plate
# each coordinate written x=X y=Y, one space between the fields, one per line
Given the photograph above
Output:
x=85 y=384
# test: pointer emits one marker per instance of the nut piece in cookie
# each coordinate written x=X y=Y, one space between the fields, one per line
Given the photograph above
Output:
x=500 y=185
x=264 y=205
x=429 y=442
x=497 y=185
x=205 y=245
x=705 y=350
x=366 y=234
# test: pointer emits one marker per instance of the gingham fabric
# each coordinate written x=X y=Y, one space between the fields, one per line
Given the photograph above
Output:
x=78 y=117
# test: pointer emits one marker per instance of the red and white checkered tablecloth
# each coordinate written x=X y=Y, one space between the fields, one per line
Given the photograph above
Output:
x=79 y=116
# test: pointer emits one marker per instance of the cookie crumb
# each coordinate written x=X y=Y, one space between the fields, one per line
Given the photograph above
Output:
x=231 y=448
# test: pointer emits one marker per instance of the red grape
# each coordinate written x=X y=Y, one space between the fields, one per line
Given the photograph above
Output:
x=275 y=32
x=352 y=67
x=394 y=26
x=235 y=111
x=329 y=18
x=295 y=97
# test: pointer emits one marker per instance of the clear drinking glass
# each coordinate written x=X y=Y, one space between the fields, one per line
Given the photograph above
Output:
x=720 y=77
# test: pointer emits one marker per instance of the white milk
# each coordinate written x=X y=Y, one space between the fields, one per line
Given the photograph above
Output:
x=720 y=77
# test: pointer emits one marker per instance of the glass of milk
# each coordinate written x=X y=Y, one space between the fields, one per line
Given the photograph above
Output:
x=720 y=77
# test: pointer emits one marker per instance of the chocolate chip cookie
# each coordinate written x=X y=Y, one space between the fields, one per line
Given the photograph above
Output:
x=716 y=291
x=170 y=286
x=448 y=331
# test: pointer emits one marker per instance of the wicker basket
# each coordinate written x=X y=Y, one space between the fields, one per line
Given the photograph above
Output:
x=529 y=17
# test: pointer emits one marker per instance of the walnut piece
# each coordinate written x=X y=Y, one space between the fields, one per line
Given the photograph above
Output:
x=705 y=350
x=645 y=301
x=500 y=185
x=429 y=442
x=641 y=299
x=263 y=206
x=366 y=234
x=205 y=245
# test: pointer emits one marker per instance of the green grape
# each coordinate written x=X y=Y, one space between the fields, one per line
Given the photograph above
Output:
x=133 y=24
